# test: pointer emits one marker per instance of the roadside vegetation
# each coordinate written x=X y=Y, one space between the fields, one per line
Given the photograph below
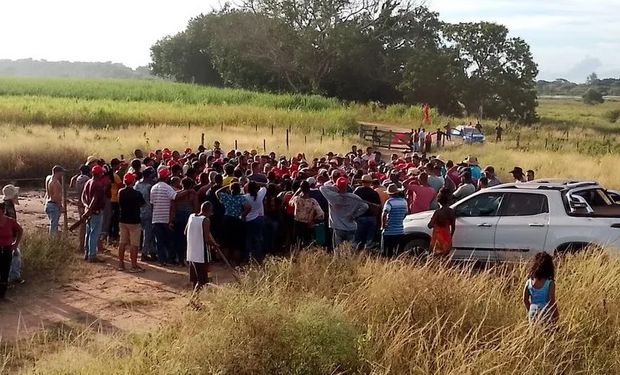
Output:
x=351 y=314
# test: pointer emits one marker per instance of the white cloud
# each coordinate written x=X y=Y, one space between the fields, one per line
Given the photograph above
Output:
x=561 y=32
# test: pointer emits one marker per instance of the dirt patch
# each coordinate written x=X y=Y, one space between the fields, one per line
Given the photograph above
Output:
x=101 y=296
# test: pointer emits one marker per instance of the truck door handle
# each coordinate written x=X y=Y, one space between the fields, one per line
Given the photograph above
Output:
x=485 y=225
x=616 y=225
x=537 y=225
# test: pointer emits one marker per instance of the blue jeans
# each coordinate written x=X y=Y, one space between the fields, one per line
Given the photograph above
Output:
x=53 y=213
x=16 y=266
x=341 y=236
x=366 y=231
x=93 y=231
x=254 y=239
x=148 y=239
x=163 y=242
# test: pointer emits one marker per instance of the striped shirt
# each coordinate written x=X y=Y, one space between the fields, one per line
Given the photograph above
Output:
x=162 y=195
x=396 y=210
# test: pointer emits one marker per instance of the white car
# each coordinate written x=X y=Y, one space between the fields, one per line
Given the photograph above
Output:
x=517 y=220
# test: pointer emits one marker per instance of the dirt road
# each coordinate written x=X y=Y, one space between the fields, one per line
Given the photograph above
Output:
x=99 y=296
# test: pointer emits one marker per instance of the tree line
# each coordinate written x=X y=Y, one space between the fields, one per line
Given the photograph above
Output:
x=605 y=86
x=43 y=68
x=356 y=50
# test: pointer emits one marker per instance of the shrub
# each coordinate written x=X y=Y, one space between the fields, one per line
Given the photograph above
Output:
x=46 y=258
x=612 y=115
x=592 y=97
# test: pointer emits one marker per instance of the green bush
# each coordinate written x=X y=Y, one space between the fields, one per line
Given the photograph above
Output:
x=46 y=258
x=612 y=115
x=592 y=97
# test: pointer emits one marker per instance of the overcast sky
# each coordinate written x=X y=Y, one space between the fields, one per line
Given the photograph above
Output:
x=569 y=38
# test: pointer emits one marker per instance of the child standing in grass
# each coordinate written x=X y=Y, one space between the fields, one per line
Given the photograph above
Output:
x=539 y=290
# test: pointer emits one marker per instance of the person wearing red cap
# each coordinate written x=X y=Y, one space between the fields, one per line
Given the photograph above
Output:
x=344 y=209
x=129 y=201
x=93 y=199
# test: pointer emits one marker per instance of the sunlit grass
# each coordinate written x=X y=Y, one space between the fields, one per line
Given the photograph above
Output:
x=317 y=314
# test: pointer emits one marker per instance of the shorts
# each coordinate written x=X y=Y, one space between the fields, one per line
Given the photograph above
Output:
x=130 y=234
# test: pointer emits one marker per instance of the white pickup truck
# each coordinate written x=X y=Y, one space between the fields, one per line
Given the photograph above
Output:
x=517 y=220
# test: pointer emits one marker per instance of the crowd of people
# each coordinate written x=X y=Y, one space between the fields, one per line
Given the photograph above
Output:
x=188 y=208
x=250 y=204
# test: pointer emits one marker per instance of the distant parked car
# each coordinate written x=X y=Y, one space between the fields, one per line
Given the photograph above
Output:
x=469 y=134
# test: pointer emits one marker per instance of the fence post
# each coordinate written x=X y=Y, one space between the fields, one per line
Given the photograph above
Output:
x=264 y=145
x=518 y=138
x=323 y=132
x=65 y=226
x=236 y=147
x=286 y=139
x=305 y=139
x=321 y=140
x=256 y=127
x=271 y=129
x=546 y=141
x=390 y=141
x=343 y=136
x=222 y=126
x=202 y=139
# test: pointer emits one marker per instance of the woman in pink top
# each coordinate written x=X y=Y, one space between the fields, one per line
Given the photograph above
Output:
x=421 y=194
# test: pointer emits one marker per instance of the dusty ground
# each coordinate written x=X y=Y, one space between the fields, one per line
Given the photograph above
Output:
x=100 y=296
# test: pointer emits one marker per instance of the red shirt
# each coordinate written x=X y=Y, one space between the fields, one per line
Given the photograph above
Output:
x=8 y=232
x=420 y=198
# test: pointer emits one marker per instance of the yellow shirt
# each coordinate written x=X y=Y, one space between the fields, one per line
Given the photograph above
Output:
x=116 y=186
x=227 y=180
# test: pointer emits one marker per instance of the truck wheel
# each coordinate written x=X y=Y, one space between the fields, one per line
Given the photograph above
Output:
x=418 y=247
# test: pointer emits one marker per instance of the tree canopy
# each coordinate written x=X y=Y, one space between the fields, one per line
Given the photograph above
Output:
x=361 y=50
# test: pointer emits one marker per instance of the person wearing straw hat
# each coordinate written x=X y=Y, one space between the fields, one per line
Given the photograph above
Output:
x=474 y=167
x=517 y=173
x=10 y=199
x=394 y=212
x=10 y=237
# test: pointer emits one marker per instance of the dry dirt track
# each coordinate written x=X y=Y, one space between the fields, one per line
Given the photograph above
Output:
x=99 y=296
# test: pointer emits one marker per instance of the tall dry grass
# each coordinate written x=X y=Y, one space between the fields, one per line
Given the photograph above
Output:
x=351 y=314
x=546 y=164
x=31 y=151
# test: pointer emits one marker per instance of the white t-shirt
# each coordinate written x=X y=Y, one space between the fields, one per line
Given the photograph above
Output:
x=257 y=205
x=162 y=195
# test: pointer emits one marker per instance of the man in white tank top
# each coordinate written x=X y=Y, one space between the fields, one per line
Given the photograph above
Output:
x=199 y=243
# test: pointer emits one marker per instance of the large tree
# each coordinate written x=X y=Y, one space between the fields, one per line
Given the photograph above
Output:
x=186 y=56
x=501 y=71
x=361 y=50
